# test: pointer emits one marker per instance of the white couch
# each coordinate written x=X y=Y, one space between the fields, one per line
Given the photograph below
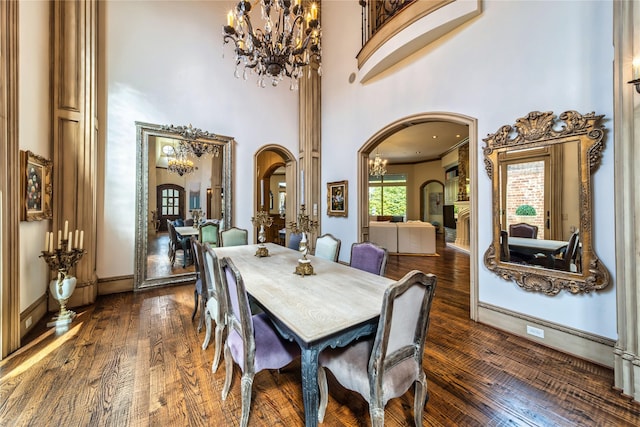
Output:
x=413 y=237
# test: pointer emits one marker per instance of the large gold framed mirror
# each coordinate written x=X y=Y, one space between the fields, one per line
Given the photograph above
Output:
x=541 y=170
x=196 y=187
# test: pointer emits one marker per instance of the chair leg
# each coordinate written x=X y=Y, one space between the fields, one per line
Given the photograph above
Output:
x=218 y=349
x=420 y=399
x=324 y=391
x=207 y=325
x=195 y=304
x=247 y=384
x=228 y=366
x=377 y=415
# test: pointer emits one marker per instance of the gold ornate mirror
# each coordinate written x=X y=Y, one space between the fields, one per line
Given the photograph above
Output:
x=540 y=170
x=182 y=172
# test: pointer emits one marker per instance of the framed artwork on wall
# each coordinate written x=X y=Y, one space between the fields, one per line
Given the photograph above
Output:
x=36 y=187
x=337 y=193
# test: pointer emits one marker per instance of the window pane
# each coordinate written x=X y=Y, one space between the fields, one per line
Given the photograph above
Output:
x=375 y=200
x=164 y=211
x=394 y=200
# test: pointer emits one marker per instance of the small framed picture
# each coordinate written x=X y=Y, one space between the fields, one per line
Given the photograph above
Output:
x=36 y=187
x=337 y=193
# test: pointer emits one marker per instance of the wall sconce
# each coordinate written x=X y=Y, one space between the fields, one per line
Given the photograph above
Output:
x=636 y=74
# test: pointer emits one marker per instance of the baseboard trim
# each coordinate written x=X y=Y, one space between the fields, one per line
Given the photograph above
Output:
x=115 y=285
x=594 y=348
x=36 y=312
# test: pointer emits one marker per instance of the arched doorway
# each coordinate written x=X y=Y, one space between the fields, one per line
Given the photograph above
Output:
x=472 y=174
x=274 y=189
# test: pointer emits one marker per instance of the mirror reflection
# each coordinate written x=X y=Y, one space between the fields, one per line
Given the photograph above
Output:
x=541 y=176
x=183 y=183
x=539 y=206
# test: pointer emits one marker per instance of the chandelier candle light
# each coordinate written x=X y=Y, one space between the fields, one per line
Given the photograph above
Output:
x=262 y=219
x=377 y=167
x=289 y=41
x=61 y=259
x=304 y=225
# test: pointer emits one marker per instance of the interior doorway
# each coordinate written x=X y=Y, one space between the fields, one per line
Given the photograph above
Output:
x=371 y=147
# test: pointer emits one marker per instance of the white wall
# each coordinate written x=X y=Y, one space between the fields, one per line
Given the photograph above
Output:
x=164 y=64
x=34 y=128
x=516 y=57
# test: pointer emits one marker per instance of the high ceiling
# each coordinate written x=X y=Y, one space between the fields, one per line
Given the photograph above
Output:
x=421 y=142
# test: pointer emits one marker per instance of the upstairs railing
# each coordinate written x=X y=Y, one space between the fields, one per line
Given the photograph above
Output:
x=375 y=13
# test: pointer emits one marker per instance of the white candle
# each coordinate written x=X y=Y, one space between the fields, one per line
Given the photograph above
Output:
x=302 y=187
x=51 y=242
x=69 y=241
x=59 y=238
x=81 y=239
x=66 y=228
x=46 y=241
x=75 y=244
x=262 y=192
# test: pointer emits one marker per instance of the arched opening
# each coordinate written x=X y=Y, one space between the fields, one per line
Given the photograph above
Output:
x=464 y=194
x=274 y=189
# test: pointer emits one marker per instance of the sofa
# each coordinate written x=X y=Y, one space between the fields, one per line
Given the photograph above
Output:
x=411 y=237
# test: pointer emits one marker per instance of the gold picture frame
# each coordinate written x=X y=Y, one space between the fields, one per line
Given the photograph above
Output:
x=36 y=186
x=337 y=198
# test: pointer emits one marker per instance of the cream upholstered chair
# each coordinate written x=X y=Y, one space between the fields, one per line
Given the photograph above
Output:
x=252 y=341
x=234 y=236
x=215 y=308
x=369 y=257
x=386 y=366
x=328 y=247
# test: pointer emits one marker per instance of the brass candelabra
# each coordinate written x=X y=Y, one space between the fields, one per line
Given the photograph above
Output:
x=304 y=225
x=61 y=260
x=262 y=220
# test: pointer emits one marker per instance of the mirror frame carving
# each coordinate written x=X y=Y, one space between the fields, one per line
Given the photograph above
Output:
x=538 y=129
x=144 y=131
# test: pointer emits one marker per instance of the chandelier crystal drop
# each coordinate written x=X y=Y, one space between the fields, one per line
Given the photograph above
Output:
x=180 y=164
x=289 y=42
x=377 y=167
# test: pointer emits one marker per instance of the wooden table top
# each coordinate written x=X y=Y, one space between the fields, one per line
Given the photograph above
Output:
x=538 y=244
x=187 y=231
x=313 y=307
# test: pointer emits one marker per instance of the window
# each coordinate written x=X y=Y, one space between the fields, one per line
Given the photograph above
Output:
x=170 y=202
x=388 y=194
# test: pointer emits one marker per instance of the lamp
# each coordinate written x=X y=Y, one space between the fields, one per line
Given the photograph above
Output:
x=377 y=167
x=180 y=164
x=283 y=48
x=636 y=74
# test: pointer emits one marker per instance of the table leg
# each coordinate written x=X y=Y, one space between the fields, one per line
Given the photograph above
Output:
x=310 y=390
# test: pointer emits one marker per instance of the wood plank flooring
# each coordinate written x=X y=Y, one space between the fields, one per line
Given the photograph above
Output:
x=135 y=359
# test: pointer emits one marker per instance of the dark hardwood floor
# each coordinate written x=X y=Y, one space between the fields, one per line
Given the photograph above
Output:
x=135 y=359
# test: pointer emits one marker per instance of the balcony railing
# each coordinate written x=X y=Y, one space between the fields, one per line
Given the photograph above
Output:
x=375 y=13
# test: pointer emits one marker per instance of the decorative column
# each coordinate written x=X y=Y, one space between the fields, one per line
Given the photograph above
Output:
x=9 y=170
x=626 y=41
x=74 y=133
x=310 y=138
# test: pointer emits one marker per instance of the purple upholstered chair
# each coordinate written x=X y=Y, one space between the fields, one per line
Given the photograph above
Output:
x=252 y=343
x=386 y=366
x=369 y=257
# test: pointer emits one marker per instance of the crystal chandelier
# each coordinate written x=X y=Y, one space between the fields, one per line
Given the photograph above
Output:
x=180 y=164
x=377 y=167
x=289 y=40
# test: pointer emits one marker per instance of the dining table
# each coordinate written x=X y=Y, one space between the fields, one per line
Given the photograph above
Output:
x=187 y=231
x=333 y=307
x=532 y=247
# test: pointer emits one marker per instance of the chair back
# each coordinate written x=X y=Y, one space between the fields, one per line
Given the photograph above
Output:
x=505 y=255
x=570 y=253
x=523 y=229
x=234 y=236
x=238 y=310
x=212 y=273
x=208 y=233
x=196 y=252
x=369 y=257
x=402 y=331
x=294 y=241
x=173 y=238
x=328 y=247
